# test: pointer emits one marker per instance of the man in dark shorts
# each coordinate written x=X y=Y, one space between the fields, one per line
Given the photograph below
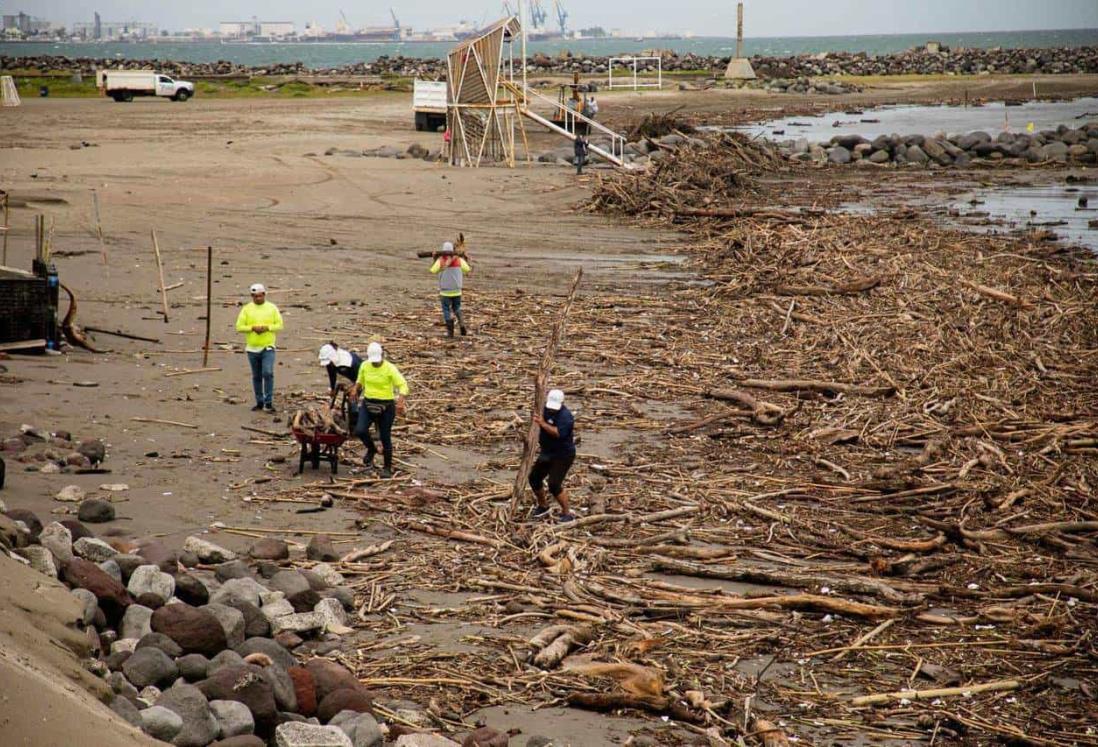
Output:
x=557 y=452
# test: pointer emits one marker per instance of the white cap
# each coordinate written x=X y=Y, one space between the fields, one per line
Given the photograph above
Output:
x=447 y=247
x=327 y=354
x=373 y=352
x=555 y=399
x=257 y=288
x=342 y=358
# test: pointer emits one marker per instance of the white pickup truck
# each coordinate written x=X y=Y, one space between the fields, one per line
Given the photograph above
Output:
x=123 y=85
x=429 y=104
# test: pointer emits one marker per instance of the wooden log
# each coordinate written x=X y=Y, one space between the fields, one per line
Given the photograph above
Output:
x=852 y=584
x=1002 y=533
x=944 y=692
x=264 y=431
x=846 y=289
x=529 y=448
x=158 y=421
x=830 y=388
x=615 y=701
x=814 y=602
x=120 y=333
x=366 y=552
x=996 y=295
x=763 y=413
x=160 y=271
x=187 y=372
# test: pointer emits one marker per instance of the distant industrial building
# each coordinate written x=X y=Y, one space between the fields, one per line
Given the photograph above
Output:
x=20 y=24
x=254 y=28
x=100 y=30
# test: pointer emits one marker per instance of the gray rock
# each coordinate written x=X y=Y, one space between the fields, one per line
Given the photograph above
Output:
x=193 y=667
x=161 y=723
x=879 y=156
x=915 y=154
x=329 y=575
x=95 y=511
x=231 y=619
x=333 y=615
x=149 y=666
x=232 y=569
x=111 y=569
x=95 y=550
x=424 y=740
x=233 y=718
x=70 y=494
x=362 y=728
x=207 y=551
x=125 y=708
x=345 y=596
x=149 y=694
x=199 y=725
x=136 y=622
x=839 y=155
x=121 y=686
x=127 y=645
x=1054 y=151
x=162 y=642
x=320 y=547
x=300 y=622
x=282 y=685
x=58 y=539
x=936 y=152
x=288 y=582
x=238 y=589
x=295 y=734
x=278 y=654
x=276 y=610
x=42 y=560
x=255 y=622
x=129 y=563
x=90 y=604
x=226 y=658
x=149 y=579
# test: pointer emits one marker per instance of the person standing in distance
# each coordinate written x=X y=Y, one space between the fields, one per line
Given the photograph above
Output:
x=555 y=457
x=450 y=268
x=382 y=389
x=259 y=321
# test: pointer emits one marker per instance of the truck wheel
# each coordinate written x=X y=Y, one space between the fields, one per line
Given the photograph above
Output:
x=127 y=96
x=117 y=97
x=182 y=95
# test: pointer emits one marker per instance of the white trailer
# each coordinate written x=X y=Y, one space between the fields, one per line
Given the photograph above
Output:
x=124 y=85
x=429 y=104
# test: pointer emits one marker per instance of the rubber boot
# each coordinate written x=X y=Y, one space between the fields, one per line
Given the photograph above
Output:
x=464 y=331
x=387 y=470
x=449 y=327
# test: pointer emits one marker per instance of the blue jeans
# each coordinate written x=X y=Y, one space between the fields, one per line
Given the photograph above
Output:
x=452 y=303
x=263 y=376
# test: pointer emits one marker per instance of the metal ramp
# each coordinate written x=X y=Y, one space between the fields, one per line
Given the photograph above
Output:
x=570 y=118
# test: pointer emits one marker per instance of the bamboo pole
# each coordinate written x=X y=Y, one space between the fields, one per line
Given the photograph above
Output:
x=7 y=227
x=540 y=381
x=160 y=269
x=944 y=692
x=209 y=295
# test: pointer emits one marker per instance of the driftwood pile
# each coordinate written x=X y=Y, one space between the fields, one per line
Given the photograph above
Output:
x=842 y=490
x=318 y=420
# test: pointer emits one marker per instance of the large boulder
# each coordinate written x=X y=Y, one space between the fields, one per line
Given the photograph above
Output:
x=288 y=582
x=270 y=549
x=304 y=690
x=232 y=621
x=199 y=725
x=238 y=590
x=193 y=667
x=161 y=723
x=162 y=642
x=57 y=538
x=246 y=685
x=195 y=630
x=150 y=666
x=362 y=728
x=33 y=523
x=113 y=597
x=136 y=622
x=161 y=555
x=320 y=548
x=278 y=654
x=95 y=550
x=190 y=589
x=95 y=511
x=255 y=623
x=207 y=551
x=839 y=155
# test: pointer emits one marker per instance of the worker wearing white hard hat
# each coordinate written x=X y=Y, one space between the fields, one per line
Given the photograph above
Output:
x=382 y=389
x=451 y=266
x=339 y=362
x=557 y=451
x=259 y=321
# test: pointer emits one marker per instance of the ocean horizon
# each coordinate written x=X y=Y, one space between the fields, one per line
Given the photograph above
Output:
x=320 y=55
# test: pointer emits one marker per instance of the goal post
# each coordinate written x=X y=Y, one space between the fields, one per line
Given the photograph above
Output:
x=630 y=76
x=8 y=92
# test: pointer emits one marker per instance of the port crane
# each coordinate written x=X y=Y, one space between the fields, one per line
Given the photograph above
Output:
x=396 y=23
x=562 y=17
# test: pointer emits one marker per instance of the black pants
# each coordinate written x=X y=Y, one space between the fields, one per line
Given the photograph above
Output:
x=555 y=468
x=384 y=427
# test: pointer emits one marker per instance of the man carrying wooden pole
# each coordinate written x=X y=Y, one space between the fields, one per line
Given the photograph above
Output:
x=540 y=385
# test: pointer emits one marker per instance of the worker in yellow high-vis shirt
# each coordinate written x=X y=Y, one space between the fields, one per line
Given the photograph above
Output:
x=383 y=389
x=259 y=321
x=450 y=267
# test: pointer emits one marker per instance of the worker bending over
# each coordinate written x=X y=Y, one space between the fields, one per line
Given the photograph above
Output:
x=450 y=268
x=382 y=389
x=555 y=457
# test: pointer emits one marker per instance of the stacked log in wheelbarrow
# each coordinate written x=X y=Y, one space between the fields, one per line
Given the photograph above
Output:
x=321 y=432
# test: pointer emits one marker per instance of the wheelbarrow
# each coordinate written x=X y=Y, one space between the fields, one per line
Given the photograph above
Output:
x=317 y=446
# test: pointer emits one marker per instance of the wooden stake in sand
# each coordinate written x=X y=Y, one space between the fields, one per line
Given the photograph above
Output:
x=209 y=296
x=7 y=227
x=99 y=226
x=160 y=269
x=540 y=383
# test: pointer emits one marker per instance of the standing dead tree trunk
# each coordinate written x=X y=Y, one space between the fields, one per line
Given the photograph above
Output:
x=540 y=383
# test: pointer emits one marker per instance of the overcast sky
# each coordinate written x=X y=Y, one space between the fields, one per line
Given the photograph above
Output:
x=703 y=17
